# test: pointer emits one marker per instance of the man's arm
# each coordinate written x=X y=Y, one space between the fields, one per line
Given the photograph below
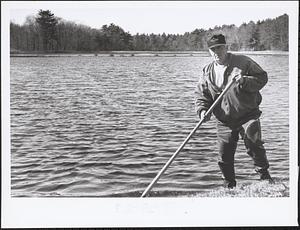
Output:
x=255 y=79
x=203 y=98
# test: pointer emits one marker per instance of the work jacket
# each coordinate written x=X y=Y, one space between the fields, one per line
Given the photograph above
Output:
x=241 y=102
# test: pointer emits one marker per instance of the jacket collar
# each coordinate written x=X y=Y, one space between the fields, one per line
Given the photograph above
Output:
x=228 y=59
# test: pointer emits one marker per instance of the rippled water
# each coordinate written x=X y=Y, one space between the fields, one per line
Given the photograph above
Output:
x=105 y=126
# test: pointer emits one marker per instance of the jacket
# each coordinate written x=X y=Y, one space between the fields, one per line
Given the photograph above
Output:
x=241 y=102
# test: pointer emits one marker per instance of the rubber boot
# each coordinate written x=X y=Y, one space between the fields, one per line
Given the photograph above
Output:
x=265 y=175
x=228 y=174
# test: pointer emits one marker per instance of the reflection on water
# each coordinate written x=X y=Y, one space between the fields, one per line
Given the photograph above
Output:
x=105 y=126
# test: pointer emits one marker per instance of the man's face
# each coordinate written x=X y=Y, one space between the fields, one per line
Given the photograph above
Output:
x=219 y=53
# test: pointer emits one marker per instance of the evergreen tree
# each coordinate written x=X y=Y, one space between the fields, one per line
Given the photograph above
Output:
x=47 y=23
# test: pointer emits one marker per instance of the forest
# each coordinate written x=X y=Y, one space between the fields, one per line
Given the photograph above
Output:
x=47 y=33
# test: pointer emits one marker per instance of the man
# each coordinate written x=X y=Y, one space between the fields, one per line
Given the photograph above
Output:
x=238 y=111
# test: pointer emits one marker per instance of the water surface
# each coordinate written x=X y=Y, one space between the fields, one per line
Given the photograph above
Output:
x=105 y=126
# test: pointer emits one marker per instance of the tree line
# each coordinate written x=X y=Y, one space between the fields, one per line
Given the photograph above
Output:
x=47 y=33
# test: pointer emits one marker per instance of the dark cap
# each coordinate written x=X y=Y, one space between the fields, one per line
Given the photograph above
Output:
x=216 y=40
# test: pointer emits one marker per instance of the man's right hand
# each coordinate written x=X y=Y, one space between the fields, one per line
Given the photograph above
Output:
x=207 y=118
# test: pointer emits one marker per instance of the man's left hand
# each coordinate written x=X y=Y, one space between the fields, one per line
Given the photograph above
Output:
x=240 y=79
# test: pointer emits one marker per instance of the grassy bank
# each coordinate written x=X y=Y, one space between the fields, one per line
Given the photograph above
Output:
x=257 y=189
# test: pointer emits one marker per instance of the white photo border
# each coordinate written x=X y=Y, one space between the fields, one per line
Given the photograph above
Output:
x=147 y=212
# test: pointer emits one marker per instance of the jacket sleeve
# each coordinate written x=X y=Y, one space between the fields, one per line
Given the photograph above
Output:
x=203 y=98
x=255 y=79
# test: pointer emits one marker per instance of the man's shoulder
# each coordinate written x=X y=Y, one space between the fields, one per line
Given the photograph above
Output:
x=240 y=57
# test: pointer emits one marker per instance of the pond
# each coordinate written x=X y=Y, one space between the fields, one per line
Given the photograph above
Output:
x=95 y=126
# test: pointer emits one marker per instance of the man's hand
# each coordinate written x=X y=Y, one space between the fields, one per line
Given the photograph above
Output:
x=240 y=79
x=207 y=118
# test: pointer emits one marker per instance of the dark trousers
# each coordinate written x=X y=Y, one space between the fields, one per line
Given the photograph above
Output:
x=227 y=143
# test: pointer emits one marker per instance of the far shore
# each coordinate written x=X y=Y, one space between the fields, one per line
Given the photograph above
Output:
x=139 y=53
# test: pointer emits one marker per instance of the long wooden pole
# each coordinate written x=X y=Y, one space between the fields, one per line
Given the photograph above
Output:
x=189 y=136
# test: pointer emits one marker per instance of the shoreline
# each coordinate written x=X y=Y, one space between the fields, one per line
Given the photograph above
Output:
x=143 y=54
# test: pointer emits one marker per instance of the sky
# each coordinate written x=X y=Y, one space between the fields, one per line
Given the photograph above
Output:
x=170 y=17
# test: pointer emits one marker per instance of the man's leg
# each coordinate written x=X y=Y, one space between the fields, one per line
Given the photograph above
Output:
x=251 y=133
x=227 y=143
